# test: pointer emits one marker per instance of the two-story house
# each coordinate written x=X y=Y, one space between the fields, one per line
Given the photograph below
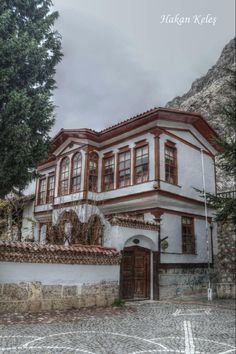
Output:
x=130 y=186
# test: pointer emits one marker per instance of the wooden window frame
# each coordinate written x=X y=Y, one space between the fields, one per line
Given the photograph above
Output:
x=66 y=179
x=104 y=174
x=74 y=177
x=93 y=153
x=124 y=169
x=49 y=196
x=140 y=146
x=190 y=234
x=170 y=145
x=42 y=200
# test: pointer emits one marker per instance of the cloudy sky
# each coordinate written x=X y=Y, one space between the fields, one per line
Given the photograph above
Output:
x=119 y=60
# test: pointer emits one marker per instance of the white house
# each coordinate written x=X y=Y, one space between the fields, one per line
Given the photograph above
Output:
x=129 y=187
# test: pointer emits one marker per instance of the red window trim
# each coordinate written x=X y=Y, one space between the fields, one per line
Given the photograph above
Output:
x=71 y=172
x=108 y=157
x=123 y=151
x=43 y=200
x=60 y=176
x=124 y=148
x=172 y=145
x=141 y=143
x=96 y=171
x=193 y=239
x=134 y=164
x=52 y=174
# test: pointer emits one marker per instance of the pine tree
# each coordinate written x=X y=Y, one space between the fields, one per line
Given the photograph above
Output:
x=30 y=48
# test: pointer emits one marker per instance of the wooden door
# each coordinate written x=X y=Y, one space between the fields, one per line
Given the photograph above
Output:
x=135 y=273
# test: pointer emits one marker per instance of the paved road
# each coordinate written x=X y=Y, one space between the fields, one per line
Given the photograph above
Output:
x=152 y=328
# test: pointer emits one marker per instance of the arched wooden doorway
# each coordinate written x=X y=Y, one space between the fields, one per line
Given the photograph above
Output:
x=135 y=273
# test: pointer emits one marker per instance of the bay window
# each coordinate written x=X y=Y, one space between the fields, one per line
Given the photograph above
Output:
x=108 y=173
x=170 y=163
x=64 y=176
x=76 y=173
x=124 y=169
x=141 y=168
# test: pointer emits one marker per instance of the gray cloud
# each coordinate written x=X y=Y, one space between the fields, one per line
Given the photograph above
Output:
x=119 y=60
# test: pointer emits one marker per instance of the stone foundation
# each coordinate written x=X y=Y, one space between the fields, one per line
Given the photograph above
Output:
x=226 y=260
x=182 y=281
x=35 y=296
x=226 y=290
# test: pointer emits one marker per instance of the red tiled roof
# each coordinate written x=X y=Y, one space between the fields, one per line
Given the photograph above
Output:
x=195 y=119
x=77 y=248
x=31 y=252
x=133 y=222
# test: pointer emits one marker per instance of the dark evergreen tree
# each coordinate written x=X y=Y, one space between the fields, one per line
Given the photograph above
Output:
x=225 y=202
x=30 y=48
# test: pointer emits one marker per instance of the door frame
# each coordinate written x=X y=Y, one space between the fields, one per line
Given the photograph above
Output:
x=149 y=272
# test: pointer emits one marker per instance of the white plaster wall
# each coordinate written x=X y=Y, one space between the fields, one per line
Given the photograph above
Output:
x=171 y=124
x=50 y=274
x=120 y=237
x=189 y=170
x=84 y=211
x=171 y=227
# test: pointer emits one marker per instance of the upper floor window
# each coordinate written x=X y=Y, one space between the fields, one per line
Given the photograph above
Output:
x=64 y=176
x=141 y=170
x=76 y=172
x=188 y=237
x=108 y=173
x=42 y=191
x=124 y=169
x=50 y=189
x=170 y=163
x=93 y=172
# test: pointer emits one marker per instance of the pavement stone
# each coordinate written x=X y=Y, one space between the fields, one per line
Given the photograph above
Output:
x=140 y=328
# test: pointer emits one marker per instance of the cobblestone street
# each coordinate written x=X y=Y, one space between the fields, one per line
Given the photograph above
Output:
x=145 y=328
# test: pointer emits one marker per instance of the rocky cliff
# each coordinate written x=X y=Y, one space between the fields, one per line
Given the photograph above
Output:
x=208 y=93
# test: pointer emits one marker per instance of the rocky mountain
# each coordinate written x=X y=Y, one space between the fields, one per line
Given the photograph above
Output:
x=208 y=93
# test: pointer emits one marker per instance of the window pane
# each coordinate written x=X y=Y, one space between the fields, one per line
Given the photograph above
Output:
x=142 y=164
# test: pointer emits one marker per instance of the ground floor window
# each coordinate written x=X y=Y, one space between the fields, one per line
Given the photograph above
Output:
x=188 y=237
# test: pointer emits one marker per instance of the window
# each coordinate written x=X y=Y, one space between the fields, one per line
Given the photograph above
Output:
x=64 y=176
x=170 y=164
x=93 y=172
x=42 y=191
x=50 y=190
x=76 y=173
x=124 y=169
x=108 y=173
x=141 y=164
x=188 y=238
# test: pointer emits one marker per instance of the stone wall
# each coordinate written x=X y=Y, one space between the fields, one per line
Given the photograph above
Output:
x=226 y=260
x=35 y=296
x=180 y=280
x=37 y=277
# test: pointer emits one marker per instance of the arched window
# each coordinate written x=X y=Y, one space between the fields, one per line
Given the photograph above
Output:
x=93 y=172
x=64 y=176
x=76 y=173
x=95 y=231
